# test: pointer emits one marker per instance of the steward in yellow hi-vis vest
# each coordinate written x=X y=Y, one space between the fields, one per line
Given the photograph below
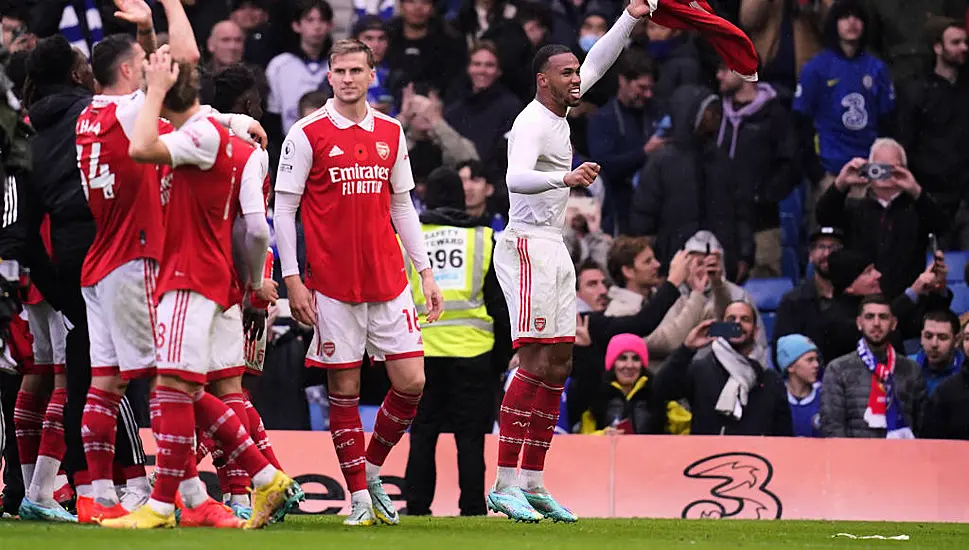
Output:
x=464 y=351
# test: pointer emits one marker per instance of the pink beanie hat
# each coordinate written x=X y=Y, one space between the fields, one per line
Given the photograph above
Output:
x=622 y=343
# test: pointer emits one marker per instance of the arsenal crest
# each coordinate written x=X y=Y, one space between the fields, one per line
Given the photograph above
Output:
x=329 y=348
x=539 y=323
x=383 y=150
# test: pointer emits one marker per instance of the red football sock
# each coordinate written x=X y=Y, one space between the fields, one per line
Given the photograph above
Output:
x=28 y=421
x=395 y=416
x=545 y=415
x=259 y=436
x=204 y=446
x=98 y=429
x=221 y=424
x=52 y=441
x=514 y=417
x=237 y=479
x=347 y=432
x=173 y=424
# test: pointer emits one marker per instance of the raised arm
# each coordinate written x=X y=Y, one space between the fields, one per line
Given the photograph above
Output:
x=139 y=13
x=605 y=51
x=180 y=35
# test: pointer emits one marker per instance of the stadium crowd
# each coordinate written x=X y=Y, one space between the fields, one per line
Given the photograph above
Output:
x=781 y=257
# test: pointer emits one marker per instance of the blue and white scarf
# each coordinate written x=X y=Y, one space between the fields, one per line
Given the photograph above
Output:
x=884 y=407
x=70 y=26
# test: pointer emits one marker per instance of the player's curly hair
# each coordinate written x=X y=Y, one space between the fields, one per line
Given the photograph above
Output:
x=229 y=85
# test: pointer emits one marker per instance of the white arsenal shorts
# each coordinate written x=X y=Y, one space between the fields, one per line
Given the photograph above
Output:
x=121 y=320
x=345 y=331
x=537 y=277
x=50 y=338
x=197 y=338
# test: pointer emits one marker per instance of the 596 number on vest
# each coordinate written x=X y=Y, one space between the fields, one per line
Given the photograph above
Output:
x=446 y=249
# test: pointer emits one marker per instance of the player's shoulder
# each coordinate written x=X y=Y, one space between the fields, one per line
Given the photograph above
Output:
x=386 y=123
x=317 y=121
x=531 y=119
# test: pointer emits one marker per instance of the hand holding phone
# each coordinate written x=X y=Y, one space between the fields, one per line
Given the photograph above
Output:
x=726 y=329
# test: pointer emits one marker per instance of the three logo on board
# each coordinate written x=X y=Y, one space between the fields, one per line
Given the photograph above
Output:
x=742 y=492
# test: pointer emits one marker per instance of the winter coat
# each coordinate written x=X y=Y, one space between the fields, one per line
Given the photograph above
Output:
x=845 y=391
x=688 y=185
x=947 y=413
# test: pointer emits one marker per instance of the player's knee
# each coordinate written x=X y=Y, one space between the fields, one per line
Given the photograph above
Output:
x=176 y=383
x=344 y=382
x=60 y=381
x=37 y=383
x=226 y=386
x=413 y=384
x=112 y=383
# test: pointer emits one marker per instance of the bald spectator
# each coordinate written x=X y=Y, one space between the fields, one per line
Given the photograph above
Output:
x=226 y=45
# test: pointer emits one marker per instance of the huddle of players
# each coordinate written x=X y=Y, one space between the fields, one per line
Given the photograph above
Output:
x=181 y=222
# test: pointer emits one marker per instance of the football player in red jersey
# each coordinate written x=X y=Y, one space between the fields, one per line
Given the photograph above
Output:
x=195 y=311
x=346 y=166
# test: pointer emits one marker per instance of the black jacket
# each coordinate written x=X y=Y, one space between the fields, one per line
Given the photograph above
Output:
x=435 y=60
x=484 y=118
x=55 y=187
x=689 y=184
x=612 y=405
x=947 y=413
x=800 y=312
x=764 y=153
x=933 y=126
x=700 y=382
x=896 y=238
x=493 y=297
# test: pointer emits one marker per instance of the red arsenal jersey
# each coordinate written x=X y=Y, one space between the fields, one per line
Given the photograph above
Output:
x=253 y=165
x=345 y=173
x=125 y=197
x=200 y=213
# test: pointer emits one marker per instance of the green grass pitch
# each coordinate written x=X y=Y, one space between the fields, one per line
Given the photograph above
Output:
x=325 y=532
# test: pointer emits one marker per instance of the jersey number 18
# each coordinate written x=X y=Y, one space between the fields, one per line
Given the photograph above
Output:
x=94 y=175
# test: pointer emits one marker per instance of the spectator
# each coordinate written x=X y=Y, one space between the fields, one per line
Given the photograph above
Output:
x=484 y=111
x=261 y=37
x=292 y=74
x=583 y=234
x=621 y=135
x=423 y=50
x=870 y=392
x=786 y=36
x=934 y=122
x=757 y=135
x=797 y=356
x=853 y=277
x=431 y=141
x=226 y=46
x=372 y=31
x=728 y=392
x=477 y=190
x=623 y=402
x=590 y=287
x=537 y=22
x=891 y=223
x=677 y=62
x=688 y=185
x=494 y=21
x=897 y=34
x=845 y=95
x=939 y=357
x=634 y=269
x=594 y=27
x=947 y=413
x=801 y=309
x=311 y=101
x=705 y=251
x=15 y=26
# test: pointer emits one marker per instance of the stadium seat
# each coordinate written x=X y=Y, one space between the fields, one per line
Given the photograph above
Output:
x=956 y=261
x=790 y=265
x=767 y=293
x=960 y=298
x=768 y=319
x=790 y=230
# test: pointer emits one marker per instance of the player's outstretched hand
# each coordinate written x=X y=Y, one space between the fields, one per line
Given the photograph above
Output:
x=134 y=11
x=583 y=176
x=700 y=336
x=269 y=292
x=641 y=8
x=300 y=301
x=160 y=72
x=433 y=297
